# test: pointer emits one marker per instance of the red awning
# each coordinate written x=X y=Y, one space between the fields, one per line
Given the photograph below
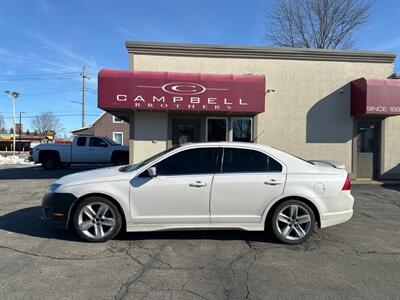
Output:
x=375 y=97
x=145 y=90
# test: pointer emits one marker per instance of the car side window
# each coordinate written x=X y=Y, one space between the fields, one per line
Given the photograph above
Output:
x=81 y=142
x=97 y=142
x=248 y=161
x=192 y=161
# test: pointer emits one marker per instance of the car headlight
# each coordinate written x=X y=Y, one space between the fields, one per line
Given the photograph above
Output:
x=53 y=187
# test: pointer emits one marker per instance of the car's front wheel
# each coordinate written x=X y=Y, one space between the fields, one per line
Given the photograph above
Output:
x=293 y=222
x=97 y=220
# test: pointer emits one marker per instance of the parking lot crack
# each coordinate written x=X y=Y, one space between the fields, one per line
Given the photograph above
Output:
x=79 y=258
x=124 y=288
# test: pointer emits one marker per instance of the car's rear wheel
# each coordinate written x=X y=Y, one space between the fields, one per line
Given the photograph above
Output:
x=293 y=222
x=97 y=220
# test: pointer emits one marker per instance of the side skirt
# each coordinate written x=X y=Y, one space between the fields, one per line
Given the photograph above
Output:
x=219 y=226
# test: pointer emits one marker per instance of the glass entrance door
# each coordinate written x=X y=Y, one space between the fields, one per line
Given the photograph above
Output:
x=185 y=131
x=217 y=129
x=368 y=149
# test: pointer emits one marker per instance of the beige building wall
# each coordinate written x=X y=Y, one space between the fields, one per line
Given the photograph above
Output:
x=308 y=114
x=390 y=147
x=149 y=134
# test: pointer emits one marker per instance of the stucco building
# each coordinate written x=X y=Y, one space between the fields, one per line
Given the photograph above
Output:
x=316 y=104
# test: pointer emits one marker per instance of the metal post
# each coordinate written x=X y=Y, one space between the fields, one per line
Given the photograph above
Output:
x=20 y=125
x=13 y=96
x=13 y=99
x=20 y=130
x=84 y=76
x=83 y=97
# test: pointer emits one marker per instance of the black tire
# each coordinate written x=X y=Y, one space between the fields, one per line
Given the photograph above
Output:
x=83 y=219
x=290 y=228
x=120 y=160
x=65 y=165
x=50 y=162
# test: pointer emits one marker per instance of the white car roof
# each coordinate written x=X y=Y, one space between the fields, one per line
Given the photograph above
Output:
x=226 y=144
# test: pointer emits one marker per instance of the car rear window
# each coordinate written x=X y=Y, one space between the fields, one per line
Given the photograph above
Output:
x=248 y=161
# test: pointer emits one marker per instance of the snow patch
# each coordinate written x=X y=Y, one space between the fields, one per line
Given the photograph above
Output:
x=13 y=160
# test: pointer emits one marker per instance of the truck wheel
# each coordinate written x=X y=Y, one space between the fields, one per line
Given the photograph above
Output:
x=50 y=163
x=97 y=220
x=65 y=165
x=120 y=160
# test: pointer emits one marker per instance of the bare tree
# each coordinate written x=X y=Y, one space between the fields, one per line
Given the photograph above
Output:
x=316 y=23
x=46 y=121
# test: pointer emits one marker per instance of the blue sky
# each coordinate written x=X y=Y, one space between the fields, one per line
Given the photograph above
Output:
x=54 y=36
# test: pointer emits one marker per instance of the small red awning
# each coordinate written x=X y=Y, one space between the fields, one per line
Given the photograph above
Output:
x=375 y=97
x=145 y=90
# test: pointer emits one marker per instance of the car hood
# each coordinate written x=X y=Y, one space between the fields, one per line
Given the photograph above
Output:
x=97 y=175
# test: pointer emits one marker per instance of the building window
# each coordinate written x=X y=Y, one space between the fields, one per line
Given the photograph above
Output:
x=217 y=129
x=242 y=129
x=117 y=120
x=118 y=137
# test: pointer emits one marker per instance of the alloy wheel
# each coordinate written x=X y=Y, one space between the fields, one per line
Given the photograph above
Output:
x=293 y=222
x=96 y=220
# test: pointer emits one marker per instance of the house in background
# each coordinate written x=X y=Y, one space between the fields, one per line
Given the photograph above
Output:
x=107 y=125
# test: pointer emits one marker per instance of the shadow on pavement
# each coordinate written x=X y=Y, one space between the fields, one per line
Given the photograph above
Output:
x=37 y=172
x=392 y=186
x=222 y=235
x=27 y=221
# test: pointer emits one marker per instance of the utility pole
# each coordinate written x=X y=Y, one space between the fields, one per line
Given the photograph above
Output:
x=13 y=96
x=84 y=76
x=20 y=129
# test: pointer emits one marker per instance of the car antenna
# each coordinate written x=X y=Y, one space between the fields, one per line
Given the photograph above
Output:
x=255 y=139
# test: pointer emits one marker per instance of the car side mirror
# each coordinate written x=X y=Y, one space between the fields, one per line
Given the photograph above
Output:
x=152 y=172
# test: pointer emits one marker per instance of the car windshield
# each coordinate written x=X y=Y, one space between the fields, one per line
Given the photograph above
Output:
x=110 y=141
x=131 y=168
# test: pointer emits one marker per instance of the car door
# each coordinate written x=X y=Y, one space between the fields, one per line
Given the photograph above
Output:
x=80 y=150
x=248 y=180
x=180 y=193
x=98 y=150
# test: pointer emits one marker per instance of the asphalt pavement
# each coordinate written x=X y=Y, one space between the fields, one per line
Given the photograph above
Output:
x=359 y=259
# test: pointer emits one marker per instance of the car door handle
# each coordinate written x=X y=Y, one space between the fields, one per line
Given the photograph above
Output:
x=197 y=184
x=273 y=182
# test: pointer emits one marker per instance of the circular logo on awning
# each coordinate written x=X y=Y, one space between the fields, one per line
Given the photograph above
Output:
x=183 y=88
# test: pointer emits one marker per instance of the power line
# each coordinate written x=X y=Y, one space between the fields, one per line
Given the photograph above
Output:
x=53 y=111
x=66 y=115
x=39 y=75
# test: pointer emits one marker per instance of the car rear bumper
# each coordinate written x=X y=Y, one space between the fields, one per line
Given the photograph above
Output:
x=341 y=212
x=56 y=209
x=335 y=218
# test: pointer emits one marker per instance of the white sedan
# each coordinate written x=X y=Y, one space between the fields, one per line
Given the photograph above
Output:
x=208 y=186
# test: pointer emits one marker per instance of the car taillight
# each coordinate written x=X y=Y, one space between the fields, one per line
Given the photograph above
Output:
x=30 y=151
x=347 y=185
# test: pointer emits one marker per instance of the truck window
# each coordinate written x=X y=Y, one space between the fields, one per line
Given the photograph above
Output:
x=97 y=142
x=81 y=142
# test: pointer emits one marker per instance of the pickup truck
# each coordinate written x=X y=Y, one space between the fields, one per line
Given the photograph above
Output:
x=82 y=150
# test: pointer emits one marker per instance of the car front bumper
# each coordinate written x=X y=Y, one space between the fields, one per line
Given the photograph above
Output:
x=56 y=209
